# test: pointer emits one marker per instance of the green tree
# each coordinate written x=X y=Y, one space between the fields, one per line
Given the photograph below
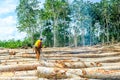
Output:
x=53 y=9
x=27 y=17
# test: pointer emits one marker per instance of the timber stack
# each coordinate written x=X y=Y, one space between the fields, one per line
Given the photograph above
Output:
x=83 y=63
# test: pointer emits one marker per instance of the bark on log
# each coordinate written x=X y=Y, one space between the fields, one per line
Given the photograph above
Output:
x=97 y=73
x=19 y=78
x=61 y=64
x=19 y=67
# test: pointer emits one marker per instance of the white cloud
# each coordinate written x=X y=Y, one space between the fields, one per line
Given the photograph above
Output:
x=8 y=20
x=7 y=6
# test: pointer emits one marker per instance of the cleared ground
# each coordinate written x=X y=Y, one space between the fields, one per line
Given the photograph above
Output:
x=63 y=63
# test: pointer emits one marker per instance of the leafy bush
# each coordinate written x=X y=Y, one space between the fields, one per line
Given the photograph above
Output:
x=14 y=43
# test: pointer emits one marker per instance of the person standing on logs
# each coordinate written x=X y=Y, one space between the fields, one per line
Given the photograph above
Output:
x=37 y=47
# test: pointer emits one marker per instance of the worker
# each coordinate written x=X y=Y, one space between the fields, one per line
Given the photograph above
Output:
x=38 y=46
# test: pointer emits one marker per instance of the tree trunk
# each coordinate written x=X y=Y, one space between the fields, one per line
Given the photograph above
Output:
x=107 y=31
x=98 y=73
x=83 y=38
x=55 y=31
x=75 y=38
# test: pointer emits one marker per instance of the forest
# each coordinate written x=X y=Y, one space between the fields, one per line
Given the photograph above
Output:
x=61 y=23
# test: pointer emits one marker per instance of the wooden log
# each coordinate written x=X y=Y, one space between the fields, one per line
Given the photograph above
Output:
x=95 y=73
x=81 y=55
x=19 y=78
x=4 y=51
x=75 y=78
x=103 y=59
x=18 y=62
x=62 y=64
x=18 y=73
x=26 y=55
x=52 y=74
x=21 y=67
x=12 y=52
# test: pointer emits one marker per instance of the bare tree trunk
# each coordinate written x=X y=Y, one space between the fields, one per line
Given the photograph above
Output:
x=83 y=38
x=55 y=35
x=107 y=31
x=75 y=38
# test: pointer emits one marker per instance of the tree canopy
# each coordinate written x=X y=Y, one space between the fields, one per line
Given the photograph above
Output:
x=61 y=23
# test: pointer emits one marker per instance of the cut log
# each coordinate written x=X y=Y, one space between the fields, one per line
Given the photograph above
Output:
x=95 y=73
x=12 y=52
x=18 y=73
x=75 y=78
x=21 y=67
x=4 y=51
x=26 y=55
x=103 y=59
x=61 y=64
x=19 y=78
x=18 y=62
x=54 y=74
x=81 y=55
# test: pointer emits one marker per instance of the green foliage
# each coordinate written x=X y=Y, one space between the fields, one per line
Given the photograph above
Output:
x=11 y=43
x=53 y=22
x=27 y=12
x=15 y=43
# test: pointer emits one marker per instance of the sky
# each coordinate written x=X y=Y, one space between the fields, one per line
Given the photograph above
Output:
x=8 y=20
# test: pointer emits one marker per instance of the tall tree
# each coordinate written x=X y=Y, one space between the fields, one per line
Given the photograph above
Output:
x=27 y=19
x=54 y=8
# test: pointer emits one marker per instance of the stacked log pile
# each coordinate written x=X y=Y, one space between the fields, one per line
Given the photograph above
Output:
x=86 y=63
